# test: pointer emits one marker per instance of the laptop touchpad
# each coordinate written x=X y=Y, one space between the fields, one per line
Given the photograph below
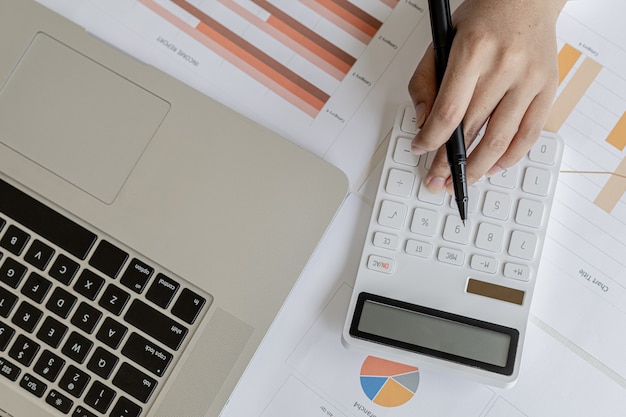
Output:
x=77 y=118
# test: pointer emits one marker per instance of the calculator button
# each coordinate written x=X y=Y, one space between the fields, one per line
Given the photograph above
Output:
x=419 y=249
x=400 y=183
x=507 y=178
x=451 y=256
x=392 y=214
x=516 y=271
x=497 y=205
x=424 y=222
x=536 y=181
x=473 y=196
x=386 y=240
x=490 y=237
x=544 y=151
x=522 y=245
x=380 y=264
x=455 y=231
x=428 y=196
x=484 y=264
x=409 y=121
x=529 y=213
x=403 y=155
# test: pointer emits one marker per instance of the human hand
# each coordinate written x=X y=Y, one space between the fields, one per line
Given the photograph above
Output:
x=502 y=71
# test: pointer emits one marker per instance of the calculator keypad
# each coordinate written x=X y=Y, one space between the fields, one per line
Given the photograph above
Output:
x=506 y=213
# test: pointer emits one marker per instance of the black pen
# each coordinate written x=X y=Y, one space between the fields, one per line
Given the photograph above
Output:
x=443 y=33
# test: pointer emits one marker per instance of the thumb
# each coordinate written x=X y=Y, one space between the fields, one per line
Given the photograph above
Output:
x=423 y=86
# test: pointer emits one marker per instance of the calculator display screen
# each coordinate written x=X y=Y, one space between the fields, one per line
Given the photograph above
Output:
x=436 y=333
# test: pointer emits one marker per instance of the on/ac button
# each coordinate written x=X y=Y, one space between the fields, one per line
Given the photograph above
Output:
x=380 y=264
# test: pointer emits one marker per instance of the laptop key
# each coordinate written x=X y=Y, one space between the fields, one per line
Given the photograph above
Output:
x=108 y=259
x=114 y=299
x=27 y=316
x=14 y=240
x=61 y=302
x=12 y=272
x=156 y=324
x=45 y=221
x=74 y=381
x=36 y=287
x=88 y=284
x=137 y=275
x=82 y=412
x=111 y=333
x=49 y=365
x=188 y=306
x=147 y=354
x=8 y=370
x=64 y=269
x=6 y=333
x=125 y=408
x=77 y=347
x=162 y=291
x=39 y=254
x=52 y=332
x=59 y=401
x=100 y=397
x=8 y=300
x=33 y=385
x=134 y=382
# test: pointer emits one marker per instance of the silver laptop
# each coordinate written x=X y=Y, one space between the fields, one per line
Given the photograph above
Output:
x=148 y=235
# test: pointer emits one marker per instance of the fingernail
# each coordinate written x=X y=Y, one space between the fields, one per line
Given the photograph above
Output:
x=435 y=184
x=494 y=170
x=420 y=114
x=416 y=149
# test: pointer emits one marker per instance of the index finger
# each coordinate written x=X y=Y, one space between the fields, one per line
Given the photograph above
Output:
x=451 y=104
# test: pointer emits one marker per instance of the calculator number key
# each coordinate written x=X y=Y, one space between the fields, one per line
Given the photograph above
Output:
x=489 y=237
x=536 y=181
x=497 y=205
x=522 y=245
x=529 y=213
x=455 y=231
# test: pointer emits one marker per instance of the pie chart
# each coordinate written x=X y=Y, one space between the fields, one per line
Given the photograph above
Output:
x=387 y=383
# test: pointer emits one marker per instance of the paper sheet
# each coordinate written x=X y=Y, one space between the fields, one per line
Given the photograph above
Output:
x=574 y=363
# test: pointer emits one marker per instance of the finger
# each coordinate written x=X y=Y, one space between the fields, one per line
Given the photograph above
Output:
x=529 y=130
x=450 y=105
x=423 y=86
x=499 y=133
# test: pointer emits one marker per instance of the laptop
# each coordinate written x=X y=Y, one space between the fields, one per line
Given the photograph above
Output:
x=148 y=234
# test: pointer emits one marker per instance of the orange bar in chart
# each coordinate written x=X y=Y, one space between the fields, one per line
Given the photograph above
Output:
x=571 y=94
x=347 y=16
x=614 y=189
x=568 y=55
x=617 y=137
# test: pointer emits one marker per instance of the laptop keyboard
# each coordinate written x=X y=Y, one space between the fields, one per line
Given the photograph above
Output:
x=88 y=327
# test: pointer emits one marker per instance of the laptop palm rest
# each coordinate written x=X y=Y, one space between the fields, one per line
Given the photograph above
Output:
x=96 y=137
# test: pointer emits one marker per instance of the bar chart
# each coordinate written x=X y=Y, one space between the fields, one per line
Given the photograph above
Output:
x=578 y=74
x=223 y=26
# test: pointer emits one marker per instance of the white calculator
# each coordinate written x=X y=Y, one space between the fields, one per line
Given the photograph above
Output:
x=433 y=292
